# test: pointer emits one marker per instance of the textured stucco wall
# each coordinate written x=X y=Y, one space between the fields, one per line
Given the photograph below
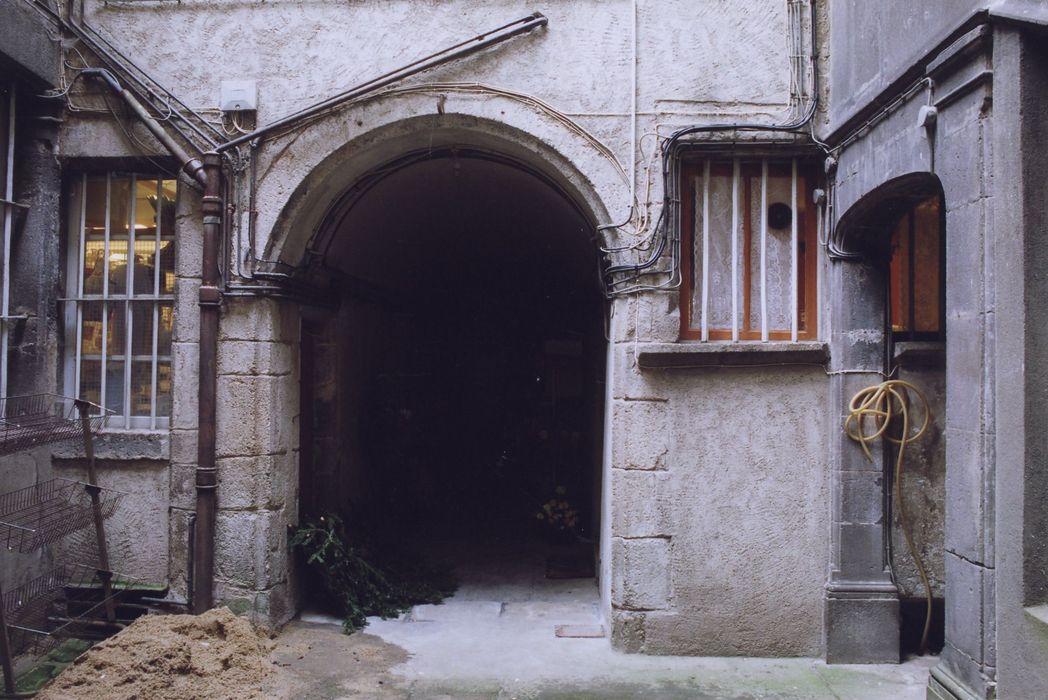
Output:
x=136 y=533
x=720 y=509
x=875 y=43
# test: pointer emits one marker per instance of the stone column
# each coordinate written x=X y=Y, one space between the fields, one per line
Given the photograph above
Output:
x=257 y=456
x=862 y=603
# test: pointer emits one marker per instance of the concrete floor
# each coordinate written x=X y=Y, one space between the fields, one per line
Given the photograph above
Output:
x=496 y=639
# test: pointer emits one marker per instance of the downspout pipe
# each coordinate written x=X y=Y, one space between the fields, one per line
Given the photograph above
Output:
x=191 y=165
x=207 y=173
x=207 y=471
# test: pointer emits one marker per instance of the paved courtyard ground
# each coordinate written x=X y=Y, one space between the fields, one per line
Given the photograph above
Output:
x=496 y=638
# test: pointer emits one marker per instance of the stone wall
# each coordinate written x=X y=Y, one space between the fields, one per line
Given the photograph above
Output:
x=972 y=151
x=257 y=456
x=719 y=515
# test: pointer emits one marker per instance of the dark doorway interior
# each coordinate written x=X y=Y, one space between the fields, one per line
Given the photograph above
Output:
x=459 y=387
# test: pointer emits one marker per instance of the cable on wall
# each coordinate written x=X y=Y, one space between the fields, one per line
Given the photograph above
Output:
x=667 y=224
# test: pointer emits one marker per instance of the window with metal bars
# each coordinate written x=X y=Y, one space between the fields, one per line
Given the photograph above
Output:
x=749 y=244
x=119 y=305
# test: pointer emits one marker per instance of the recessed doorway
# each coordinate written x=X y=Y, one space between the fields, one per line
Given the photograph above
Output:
x=456 y=396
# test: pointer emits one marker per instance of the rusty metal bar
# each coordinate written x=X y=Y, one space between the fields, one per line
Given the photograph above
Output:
x=5 y=651
x=105 y=572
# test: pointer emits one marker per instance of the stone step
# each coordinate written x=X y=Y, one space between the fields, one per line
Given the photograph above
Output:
x=456 y=610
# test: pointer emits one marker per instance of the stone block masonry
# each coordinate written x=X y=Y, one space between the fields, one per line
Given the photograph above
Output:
x=257 y=456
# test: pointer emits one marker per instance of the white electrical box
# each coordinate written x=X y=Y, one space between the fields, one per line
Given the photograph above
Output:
x=239 y=96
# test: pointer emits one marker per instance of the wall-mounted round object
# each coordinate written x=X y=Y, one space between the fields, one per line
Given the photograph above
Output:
x=779 y=215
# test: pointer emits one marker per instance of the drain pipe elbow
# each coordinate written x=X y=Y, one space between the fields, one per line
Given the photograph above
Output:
x=190 y=165
x=194 y=168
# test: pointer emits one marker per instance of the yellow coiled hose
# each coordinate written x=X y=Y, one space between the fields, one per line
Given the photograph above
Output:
x=881 y=405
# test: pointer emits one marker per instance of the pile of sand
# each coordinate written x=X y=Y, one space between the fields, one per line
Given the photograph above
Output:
x=215 y=656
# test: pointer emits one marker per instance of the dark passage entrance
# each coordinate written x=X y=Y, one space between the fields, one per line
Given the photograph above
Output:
x=459 y=388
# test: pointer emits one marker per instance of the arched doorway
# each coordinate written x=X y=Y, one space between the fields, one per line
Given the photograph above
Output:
x=458 y=388
x=890 y=284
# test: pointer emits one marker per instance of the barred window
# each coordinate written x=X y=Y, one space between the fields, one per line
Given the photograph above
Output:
x=749 y=245
x=120 y=287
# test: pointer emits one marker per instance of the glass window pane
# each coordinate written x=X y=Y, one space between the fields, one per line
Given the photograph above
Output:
x=119 y=206
x=803 y=199
x=751 y=185
x=142 y=328
x=163 y=388
x=144 y=270
x=141 y=387
x=94 y=267
x=777 y=279
x=778 y=251
x=167 y=267
x=91 y=328
x=927 y=261
x=95 y=206
x=720 y=245
x=116 y=329
x=146 y=203
x=900 y=276
x=117 y=268
x=90 y=380
x=697 y=185
x=168 y=189
x=115 y=386
x=164 y=331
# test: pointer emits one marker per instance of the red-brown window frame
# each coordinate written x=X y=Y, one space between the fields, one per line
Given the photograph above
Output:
x=807 y=241
x=911 y=275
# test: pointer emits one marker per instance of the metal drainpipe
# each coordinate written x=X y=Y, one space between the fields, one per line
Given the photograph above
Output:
x=207 y=472
x=192 y=166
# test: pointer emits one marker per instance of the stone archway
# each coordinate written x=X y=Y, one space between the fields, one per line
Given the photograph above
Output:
x=873 y=584
x=460 y=384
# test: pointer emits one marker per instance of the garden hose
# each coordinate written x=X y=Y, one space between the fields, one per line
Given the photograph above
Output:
x=882 y=404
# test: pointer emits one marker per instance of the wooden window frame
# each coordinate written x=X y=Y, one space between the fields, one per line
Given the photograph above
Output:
x=910 y=276
x=807 y=241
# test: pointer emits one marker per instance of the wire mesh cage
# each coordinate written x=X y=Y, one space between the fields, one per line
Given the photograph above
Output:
x=40 y=419
x=69 y=602
x=42 y=513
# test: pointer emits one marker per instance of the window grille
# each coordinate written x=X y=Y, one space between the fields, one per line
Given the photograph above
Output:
x=120 y=311
x=749 y=250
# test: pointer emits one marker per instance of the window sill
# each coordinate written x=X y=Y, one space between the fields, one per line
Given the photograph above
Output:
x=690 y=354
x=123 y=445
x=920 y=353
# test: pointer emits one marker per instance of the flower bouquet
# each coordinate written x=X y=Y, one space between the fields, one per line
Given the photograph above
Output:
x=558 y=516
